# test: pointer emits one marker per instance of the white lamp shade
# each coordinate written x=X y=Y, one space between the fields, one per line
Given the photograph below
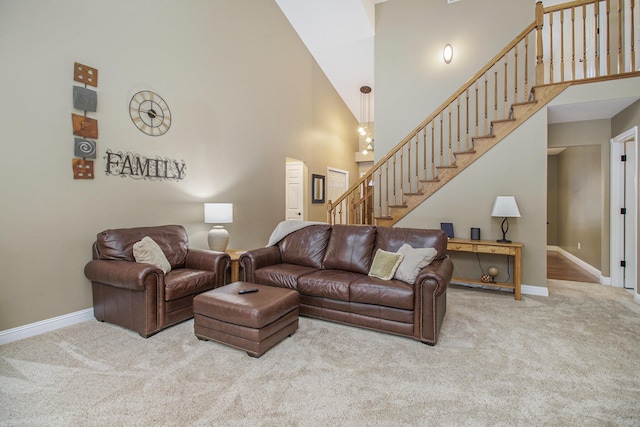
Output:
x=505 y=206
x=218 y=213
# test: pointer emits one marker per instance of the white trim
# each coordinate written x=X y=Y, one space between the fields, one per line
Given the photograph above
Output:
x=541 y=291
x=47 y=325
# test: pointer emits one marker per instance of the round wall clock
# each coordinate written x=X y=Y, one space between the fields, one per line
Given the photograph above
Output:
x=150 y=113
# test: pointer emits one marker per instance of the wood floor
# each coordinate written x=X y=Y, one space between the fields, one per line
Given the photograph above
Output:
x=561 y=268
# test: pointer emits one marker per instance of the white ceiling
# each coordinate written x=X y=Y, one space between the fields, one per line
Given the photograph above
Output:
x=588 y=110
x=339 y=34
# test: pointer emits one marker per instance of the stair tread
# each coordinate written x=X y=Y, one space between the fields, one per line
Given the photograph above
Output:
x=414 y=194
x=515 y=104
x=397 y=206
x=503 y=120
x=446 y=167
x=456 y=153
x=483 y=137
x=430 y=180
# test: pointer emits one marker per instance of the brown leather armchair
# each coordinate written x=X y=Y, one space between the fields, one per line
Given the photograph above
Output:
x=140 y=296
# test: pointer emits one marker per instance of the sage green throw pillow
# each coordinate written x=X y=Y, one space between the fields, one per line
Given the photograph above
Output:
x=385 y=264
x=147 y=251
x=415 y=259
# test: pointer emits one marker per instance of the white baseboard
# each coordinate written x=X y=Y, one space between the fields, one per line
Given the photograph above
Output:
x=37 y=328
x=541 y=291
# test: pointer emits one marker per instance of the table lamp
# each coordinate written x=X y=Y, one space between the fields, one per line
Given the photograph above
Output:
x=506 y=207
x=218 y=213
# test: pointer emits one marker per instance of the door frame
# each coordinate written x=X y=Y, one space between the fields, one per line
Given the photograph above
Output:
x=617 y=225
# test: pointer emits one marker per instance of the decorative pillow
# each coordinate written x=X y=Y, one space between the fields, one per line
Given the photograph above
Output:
x=414 y=260
x=148 y=251
x=385 y=264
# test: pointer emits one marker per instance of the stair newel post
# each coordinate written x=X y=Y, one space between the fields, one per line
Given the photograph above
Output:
x=329 y=209
x=539 y=47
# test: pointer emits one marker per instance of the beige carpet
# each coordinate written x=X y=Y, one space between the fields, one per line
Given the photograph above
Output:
x=572 y=358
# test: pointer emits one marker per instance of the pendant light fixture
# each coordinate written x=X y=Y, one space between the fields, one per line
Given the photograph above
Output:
x=365 y=127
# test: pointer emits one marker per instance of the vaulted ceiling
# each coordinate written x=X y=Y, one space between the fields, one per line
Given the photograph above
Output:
x=340 y=36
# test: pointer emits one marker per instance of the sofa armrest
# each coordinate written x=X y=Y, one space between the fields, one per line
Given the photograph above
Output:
x=121 y=274
x=438 y=272
x=259 y=258
x=218 y=262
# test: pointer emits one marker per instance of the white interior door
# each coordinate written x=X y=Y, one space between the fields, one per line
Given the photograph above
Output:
x=337 y=184
x=624 y=210
x=294 y=198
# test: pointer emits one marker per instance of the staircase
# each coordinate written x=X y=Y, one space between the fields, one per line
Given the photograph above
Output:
x=524 y=77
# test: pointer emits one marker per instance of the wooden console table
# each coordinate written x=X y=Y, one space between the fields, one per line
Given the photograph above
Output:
x=513 y=249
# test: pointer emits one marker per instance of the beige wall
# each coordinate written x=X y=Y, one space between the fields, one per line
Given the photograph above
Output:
x=244 y=94
x=412 y=81
x=581 y=201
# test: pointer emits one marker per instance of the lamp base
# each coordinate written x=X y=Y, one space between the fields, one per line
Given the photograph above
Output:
x=218 y=238
x=503 y=241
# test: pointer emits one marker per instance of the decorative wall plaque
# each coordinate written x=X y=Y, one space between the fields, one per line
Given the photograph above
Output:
x=84 y=148
x=85 y=99
x=84 y=126
x=85 y=74
x=82 y=169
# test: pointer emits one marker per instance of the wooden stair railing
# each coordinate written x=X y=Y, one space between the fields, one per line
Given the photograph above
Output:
x=516 y=83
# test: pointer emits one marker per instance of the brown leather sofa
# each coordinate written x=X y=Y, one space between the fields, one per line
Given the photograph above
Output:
x=329 y=265
x=140 y=296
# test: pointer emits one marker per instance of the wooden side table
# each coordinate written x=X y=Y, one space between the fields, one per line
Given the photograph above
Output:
x=513 y=249
x=235 y=263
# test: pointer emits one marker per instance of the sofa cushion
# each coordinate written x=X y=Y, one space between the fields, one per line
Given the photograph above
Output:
x=333 y=284
x=185 y=281
x=385 y=264
x=282 y=275
x=392 y=238
x=117 y=244
x=350 y=248
x=147 y=251
x=306 y=246
x=415 y=259
x=388 y=293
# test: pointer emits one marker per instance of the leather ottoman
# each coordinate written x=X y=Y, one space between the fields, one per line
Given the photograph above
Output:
x=253 y=322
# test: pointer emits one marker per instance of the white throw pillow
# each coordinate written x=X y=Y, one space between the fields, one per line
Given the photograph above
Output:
x=147 y=251
x=415 y=259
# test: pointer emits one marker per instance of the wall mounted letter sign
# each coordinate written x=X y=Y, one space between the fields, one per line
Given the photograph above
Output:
x=139 y=167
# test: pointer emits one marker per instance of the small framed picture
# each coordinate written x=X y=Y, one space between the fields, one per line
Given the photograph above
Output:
x=447 y=227
x=317 y=188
